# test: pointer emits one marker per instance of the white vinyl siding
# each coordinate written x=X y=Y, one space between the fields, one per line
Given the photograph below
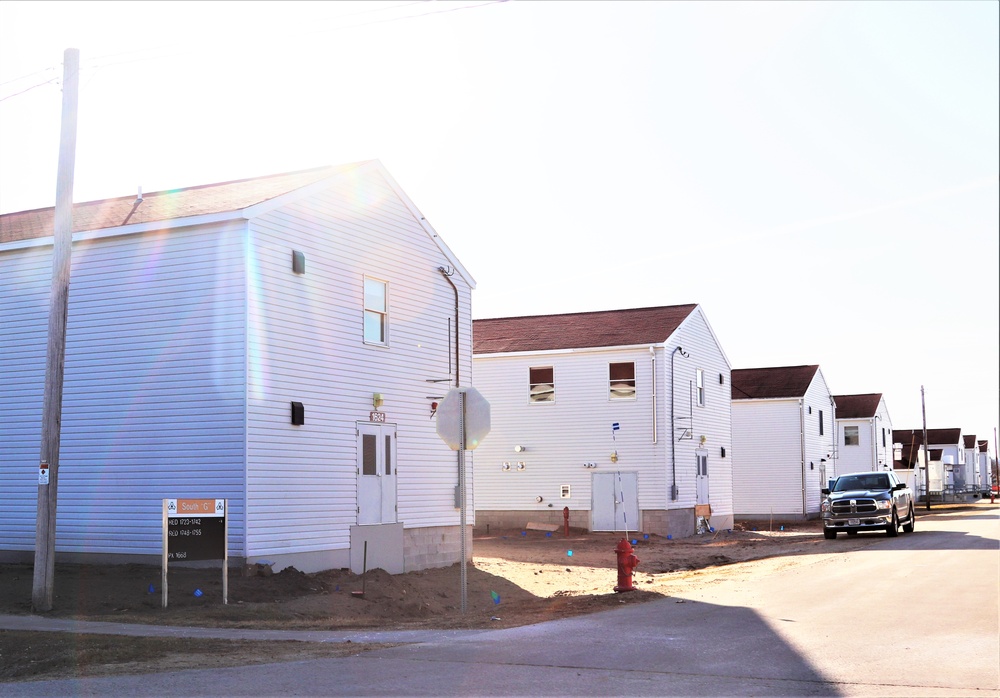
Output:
x=577 y=429
x=306 y=344
x=767 y=458
x=153 y=390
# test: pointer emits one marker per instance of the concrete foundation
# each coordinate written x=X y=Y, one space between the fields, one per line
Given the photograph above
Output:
x=678 y=523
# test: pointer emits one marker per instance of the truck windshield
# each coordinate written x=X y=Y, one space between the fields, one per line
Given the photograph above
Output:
x=875 y=481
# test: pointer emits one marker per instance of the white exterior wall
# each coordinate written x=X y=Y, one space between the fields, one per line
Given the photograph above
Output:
x=561 y=436
x=819 y=446
x=153 y=389
x=858 y=457
x=306 y=345
x=713 y=420
x=767 y=457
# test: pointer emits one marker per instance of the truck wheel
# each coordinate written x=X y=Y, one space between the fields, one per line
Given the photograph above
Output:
x=908 y=526
x=892 y=528
x=829 y=533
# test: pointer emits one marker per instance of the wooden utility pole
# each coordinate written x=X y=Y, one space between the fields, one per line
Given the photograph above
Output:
x=927 y=455
x=62 y=245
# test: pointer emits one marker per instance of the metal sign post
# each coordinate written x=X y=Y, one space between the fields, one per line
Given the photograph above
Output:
x=463 y=419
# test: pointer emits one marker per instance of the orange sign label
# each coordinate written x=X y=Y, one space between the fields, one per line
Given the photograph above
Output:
x=196 y=507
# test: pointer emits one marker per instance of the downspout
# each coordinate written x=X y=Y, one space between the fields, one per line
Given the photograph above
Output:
x=875 y=443
x=652 y=368
x=447 y=274
x=802 y=451
x=459 y=504
x=673 y=429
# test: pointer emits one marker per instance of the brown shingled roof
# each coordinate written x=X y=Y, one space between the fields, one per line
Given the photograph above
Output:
x=162 y=205
x=862 y=406
x=607 y=328
x=934 y=436
x=970 y=441
x=775 y=382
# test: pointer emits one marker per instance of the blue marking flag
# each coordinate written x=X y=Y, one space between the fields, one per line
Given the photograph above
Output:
x=496 y=597
x=614 y=427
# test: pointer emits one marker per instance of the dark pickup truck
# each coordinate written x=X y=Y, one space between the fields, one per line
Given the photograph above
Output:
x=868 y=501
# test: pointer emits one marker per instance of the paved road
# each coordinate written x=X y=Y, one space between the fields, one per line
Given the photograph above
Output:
x=911 y=616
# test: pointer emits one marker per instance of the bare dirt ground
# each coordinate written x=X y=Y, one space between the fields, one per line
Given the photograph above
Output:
x=517 y=577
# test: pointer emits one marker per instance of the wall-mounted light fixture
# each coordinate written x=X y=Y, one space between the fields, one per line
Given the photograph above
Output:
x=520 y=449
x=298 y=414
x=539 y=499
x=377 y=400
x=723 y=452
x=614 y=456
x=520 y=465
x=298 y=262
x=505 y=466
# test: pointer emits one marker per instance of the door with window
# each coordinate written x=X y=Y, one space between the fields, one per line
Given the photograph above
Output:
x=701 y=485
x=376 y=473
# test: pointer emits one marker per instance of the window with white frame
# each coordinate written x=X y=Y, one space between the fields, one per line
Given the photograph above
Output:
x=376 y=311
x=851 y=436
x=541 y=384
x=699 y=383
x=821 y=422
x=621 y=380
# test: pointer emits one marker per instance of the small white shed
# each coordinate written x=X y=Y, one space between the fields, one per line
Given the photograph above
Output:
x=268 y=341
x=622 y=417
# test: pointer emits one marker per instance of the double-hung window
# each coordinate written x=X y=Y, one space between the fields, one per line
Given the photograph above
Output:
x=621 y=380
x=376 y=311
x=541 y=384
x=699 y=382
x=851 y=436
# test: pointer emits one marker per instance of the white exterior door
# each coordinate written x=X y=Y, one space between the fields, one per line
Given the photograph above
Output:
x=615 y=505
x=701 y=484
x=376 y=473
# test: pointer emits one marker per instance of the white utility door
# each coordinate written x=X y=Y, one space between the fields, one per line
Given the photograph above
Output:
x=701 y=486
x=615 y=505
x=376 y=473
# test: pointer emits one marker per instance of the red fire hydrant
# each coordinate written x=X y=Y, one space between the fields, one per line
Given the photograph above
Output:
x=627 y=562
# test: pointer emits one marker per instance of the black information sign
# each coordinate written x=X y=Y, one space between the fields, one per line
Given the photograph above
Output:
x=196 y=538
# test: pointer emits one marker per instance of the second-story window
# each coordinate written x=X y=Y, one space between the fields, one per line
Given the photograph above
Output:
x=376 y=312
x=621 y=380
x=851 y=436
x=541 y=384
x=821 y=422
x=699 y=383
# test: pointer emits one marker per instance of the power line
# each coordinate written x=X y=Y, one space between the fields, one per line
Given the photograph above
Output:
x=178 y=49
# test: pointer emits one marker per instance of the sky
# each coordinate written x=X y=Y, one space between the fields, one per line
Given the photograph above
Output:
x=822 y=177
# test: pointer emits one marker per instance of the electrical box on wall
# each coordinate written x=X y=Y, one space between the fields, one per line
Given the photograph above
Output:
x=564 y=491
